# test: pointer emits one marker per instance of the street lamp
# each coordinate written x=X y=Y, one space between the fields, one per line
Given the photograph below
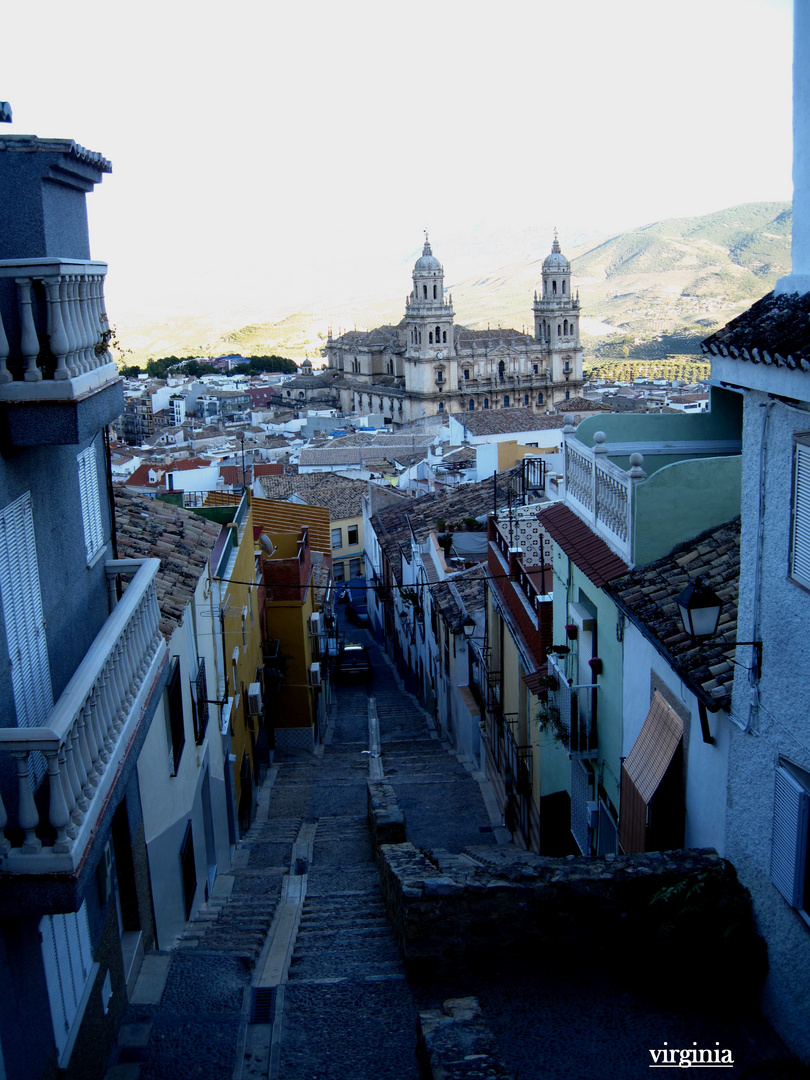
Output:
x=468 y=626
x=700 y=608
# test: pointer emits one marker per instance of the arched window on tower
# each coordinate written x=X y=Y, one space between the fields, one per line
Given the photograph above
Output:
x=565 y=327
x=559 y=330
x=563 y=286
x=438 y=334
x=444 y=337
x=424 y=290
x=430 y=337
x=471 y=405
x=434 y=292
x=554 y=288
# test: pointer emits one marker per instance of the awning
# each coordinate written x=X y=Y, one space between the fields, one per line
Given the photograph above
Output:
x=643 y=770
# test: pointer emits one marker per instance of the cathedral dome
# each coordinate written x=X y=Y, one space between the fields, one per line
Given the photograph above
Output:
x=556 y=261
x=427 y=260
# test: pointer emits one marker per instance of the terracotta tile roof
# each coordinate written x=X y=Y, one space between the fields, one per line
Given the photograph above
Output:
x=394 y=524
x=582 y=404
x=149 y=528
x=503 y=421
x=775 y=330
x=581 y=544
x=342 y=496
x=491 y=339
x=647 y=595
x=470 y=586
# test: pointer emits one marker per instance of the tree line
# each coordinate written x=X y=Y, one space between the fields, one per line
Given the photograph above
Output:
x=193 y=366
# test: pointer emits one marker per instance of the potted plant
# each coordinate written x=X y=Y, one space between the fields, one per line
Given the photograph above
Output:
x=571 y=631
x=595 y=664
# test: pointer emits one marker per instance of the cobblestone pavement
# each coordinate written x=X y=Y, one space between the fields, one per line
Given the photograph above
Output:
x=291 y=970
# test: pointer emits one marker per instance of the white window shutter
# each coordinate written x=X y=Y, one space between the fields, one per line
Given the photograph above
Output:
x=789 y=838
x=68 y=960
x=800 y=547
x=25 y=624
x=90 y=502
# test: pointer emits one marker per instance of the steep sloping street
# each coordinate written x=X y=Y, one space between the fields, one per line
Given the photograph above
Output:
x=291 y=970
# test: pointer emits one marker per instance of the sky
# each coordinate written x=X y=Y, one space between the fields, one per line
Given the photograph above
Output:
x=268 y=156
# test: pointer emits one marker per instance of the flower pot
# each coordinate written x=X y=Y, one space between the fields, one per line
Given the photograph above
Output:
x=571 y=631
x=595 y=665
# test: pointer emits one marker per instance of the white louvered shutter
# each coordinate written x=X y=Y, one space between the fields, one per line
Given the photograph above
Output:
x=791 y=805
x=68 y=961
x=800 y=539
x=90 y=502
x=25 y=624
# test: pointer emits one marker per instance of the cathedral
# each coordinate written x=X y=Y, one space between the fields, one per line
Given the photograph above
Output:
x=428 y=366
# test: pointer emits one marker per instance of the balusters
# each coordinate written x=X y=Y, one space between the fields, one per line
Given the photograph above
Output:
x=5 y=374
x=29 y=342
x=59 y=811
x=27 y=814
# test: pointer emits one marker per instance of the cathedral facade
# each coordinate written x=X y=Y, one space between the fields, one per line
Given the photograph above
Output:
x=428 y=366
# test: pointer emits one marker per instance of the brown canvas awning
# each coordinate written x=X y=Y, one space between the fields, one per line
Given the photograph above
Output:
x=643 y=770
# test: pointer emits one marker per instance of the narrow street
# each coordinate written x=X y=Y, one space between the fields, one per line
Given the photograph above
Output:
x=291 y=970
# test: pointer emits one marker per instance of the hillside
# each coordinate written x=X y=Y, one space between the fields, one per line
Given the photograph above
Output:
x=649 y=293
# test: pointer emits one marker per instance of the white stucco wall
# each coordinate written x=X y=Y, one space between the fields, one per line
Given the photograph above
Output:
x=705 y=764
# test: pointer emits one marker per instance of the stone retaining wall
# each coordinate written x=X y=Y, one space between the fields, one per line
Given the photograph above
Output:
x=675 y=919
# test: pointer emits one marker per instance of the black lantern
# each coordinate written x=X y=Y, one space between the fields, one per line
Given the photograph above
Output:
x=468 y=626
x=700 y=609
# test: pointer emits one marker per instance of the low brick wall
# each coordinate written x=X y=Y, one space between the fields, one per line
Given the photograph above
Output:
x=666 y=918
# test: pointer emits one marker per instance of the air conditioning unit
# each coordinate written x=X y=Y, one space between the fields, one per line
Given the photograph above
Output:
x=592 y=814
x=315 y=674
x=315 y=623
x=254 y=699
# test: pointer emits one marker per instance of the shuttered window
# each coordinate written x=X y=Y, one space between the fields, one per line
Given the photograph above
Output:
x=25 y=624
x=789 y=842
x=68 y=960
x=91 y=502
x=800 y=539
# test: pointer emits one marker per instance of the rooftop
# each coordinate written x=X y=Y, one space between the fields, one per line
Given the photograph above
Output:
x=342 y=496
x=775 y=330
x=147 y=528
x=581 y=544
x=504 y=421
x=648 y=596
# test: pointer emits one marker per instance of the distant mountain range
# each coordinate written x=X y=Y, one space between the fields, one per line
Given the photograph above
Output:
x=665 y=286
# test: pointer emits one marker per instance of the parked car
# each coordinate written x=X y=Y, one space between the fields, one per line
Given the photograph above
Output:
x=354 y=663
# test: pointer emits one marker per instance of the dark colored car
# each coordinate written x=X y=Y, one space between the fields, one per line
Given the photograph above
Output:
x=357 y=612
x=354 y=663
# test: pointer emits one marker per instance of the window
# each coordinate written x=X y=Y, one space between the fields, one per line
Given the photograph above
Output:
x=790 y=867
x=355 y=568
x=439 y=375
x=199 y=703
x=800 y=531
x=337 y=539
x=567 y=394
x=25 y=624
x=175 y=725
x=486 y=402
x=441 y=406
x=525 y=399
x=506 y=401
x=471 y=405
x=534 y=368
x=434 y=292
x=352 y=535
x=444 y=337
x=430 y=337
x=466 y=373
x=338 y=573
x=539 y=399
x=90 y=502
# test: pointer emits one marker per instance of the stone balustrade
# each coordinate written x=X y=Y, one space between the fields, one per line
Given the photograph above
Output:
x=86 y=734
x=54 y=330
x=601 y=491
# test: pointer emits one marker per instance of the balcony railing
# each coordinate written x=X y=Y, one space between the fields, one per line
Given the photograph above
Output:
x=53 y=341
x=601 y=492
x=85 y=737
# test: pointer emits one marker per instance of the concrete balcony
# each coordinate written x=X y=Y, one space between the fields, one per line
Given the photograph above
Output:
x=58 y=381
x=86 y=736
